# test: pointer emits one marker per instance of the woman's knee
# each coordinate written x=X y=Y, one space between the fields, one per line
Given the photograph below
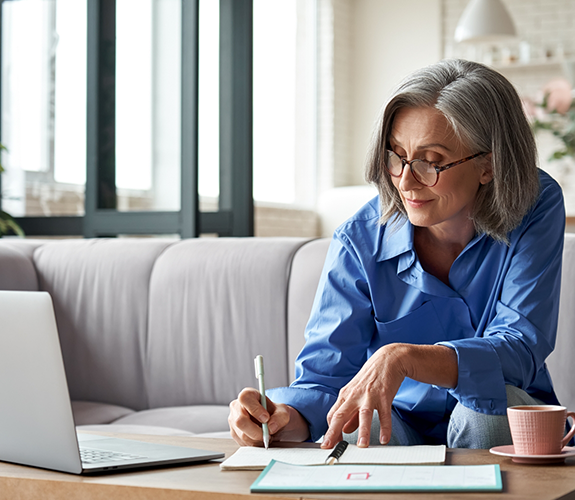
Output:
x=516 y=397
x=471 y=429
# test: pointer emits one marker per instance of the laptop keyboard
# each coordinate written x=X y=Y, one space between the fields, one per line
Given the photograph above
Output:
x=91 y=456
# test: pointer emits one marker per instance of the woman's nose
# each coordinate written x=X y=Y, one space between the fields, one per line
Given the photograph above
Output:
x=407 y=182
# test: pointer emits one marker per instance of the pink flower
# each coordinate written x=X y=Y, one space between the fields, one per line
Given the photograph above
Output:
x=532 y=108
x=559 y=96
x=528 y=107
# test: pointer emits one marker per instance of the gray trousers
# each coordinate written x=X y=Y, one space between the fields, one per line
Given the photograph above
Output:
x=466 y=429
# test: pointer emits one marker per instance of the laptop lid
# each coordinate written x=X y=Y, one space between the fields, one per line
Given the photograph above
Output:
x=36 y=421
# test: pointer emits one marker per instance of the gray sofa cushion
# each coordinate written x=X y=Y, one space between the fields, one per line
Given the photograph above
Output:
x=306 y=270
x=100 y=290
x=196 y=419
x=214 y=305
x=17 y=270
x=560 y=361
x=135 y=429
x=90 y=413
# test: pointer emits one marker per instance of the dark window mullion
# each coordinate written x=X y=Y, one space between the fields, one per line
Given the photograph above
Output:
x=100 y=191
x=189 y=210
x=92 y=90
x=107 y=106
x=236 y=49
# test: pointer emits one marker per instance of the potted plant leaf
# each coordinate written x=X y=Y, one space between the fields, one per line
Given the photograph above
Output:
x=7 y=223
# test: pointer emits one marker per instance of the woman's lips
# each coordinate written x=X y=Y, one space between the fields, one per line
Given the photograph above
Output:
x=416 y=203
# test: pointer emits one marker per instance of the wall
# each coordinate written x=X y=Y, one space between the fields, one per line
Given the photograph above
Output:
x=365 y=48
x=368 y=46
x=547 y=28
x=390 y=39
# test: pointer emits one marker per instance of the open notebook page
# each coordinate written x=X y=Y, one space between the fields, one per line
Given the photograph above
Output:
x=252 y=458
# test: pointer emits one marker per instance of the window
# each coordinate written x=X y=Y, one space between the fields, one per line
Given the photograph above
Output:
x=44 y=106
x=284 y=101
x=100 y=104
x=148 y=103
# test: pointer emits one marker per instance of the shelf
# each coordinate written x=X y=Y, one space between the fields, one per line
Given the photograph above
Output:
x=533 y=65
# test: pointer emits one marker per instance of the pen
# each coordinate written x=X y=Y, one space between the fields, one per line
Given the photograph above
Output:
x=259 y=364
x=336 y=453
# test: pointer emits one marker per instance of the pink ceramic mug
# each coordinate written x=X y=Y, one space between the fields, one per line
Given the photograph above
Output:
x=539 y=430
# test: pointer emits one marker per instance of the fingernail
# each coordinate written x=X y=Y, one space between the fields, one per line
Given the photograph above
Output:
x=326 y=443
x=273 y=428
x=362 y=443
x=383 y=440
x=262 y=417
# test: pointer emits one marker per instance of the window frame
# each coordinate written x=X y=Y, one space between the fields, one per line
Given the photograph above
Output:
x=235 y=214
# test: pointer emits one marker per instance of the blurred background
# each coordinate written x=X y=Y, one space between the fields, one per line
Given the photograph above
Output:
x=321 y=71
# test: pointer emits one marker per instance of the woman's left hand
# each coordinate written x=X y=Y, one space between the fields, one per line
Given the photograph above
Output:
x=377 y=383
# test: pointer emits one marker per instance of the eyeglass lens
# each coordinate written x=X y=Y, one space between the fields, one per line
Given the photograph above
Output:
x=422 y=171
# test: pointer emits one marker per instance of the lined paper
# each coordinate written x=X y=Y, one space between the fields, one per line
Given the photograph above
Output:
x=252 y=458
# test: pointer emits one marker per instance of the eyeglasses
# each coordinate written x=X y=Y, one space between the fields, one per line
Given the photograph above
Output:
x=424 y=172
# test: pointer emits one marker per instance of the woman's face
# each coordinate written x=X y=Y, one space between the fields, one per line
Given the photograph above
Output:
x=425 y=134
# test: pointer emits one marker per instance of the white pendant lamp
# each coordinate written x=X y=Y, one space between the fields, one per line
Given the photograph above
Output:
x=485 y=21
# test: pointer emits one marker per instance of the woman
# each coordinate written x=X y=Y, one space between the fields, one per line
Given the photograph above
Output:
x=438 y=302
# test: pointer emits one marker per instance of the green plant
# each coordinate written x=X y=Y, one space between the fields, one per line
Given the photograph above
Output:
x=7 y=223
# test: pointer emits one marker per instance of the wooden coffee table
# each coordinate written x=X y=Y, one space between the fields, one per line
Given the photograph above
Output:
x=206 y=481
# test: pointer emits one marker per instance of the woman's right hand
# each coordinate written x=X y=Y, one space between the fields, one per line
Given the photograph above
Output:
x=247 y=416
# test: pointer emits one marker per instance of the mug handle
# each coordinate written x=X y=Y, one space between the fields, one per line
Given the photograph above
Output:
x=571 y=433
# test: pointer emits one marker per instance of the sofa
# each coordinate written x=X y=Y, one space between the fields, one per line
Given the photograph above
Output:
x=159 y=335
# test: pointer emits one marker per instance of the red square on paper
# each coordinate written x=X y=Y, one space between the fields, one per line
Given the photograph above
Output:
x=358 y=475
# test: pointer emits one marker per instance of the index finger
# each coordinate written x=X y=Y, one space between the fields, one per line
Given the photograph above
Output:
x=336 y=422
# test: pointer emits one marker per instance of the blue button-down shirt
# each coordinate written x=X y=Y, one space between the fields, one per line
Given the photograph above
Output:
x=499 y=313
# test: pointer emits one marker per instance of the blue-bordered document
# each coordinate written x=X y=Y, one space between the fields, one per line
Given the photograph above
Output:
x=282 y=477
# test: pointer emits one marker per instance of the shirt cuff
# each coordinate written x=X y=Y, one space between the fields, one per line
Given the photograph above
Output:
x=311 y=403
x=481 y=385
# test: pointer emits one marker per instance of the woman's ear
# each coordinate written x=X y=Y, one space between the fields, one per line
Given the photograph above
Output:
x=486 y=169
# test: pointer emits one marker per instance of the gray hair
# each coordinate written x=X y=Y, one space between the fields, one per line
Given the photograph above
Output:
x=486 y=115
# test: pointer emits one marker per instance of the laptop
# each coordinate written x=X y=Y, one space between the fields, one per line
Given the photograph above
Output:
x=36 y=422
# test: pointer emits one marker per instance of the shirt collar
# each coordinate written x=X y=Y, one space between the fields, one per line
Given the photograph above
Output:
x=396 y=238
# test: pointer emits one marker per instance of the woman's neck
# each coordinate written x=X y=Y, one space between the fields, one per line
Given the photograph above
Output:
x=437 y=249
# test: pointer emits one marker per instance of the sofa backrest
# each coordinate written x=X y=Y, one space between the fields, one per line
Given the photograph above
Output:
x=560 y=362
x=17 y=271
x=216 y=303
x=100 y=289
x=152 y=322
x=306 y=271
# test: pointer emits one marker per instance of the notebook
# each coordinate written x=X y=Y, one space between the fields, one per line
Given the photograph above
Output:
x=36 y=422
x=279 y=477
x=252 y=458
